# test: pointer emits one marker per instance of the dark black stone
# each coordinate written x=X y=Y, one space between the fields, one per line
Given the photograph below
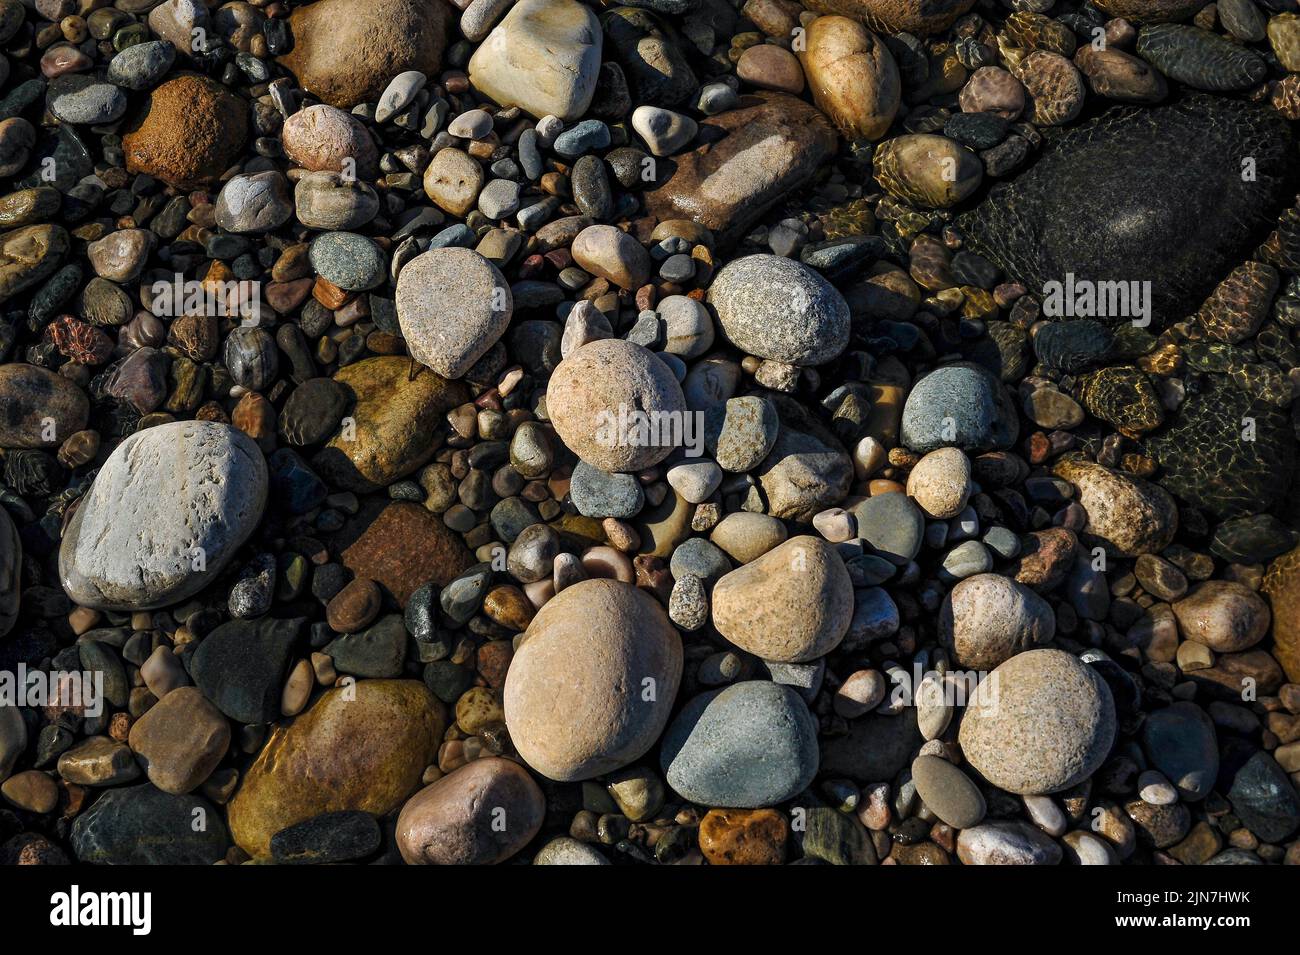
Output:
x=1205 y=460
x=241 y=666
x=1072 y=347
x=294 y=485
x=976 y=130
x=378 y=651
x=1264 y=799
x=1152 y=194
x=332 y=837
x=142 y=825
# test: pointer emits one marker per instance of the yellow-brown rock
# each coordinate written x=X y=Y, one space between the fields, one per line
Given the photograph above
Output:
x=361 y=747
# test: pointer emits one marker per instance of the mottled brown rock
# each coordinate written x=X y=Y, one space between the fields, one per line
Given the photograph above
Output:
x=743 y=837
x=29 y=395
x=1224 y=615
x=1126 y=515
x=402 y=547
x=752 y=157
x=188 y=132
x=852 y=76
x=346 y=51
x=1151 y=11
x=791 y=605
x=1282 y=587
x=481 y=814
x=180 y=740
x=397 y=422
x=359 y=747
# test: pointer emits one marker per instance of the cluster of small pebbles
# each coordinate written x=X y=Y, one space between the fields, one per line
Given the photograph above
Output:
x=697 y=431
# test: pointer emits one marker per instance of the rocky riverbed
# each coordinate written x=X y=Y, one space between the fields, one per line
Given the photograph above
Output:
x=688 y=432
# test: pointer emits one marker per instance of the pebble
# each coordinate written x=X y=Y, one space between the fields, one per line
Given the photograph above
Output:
x=142 y=825
x=563 y=850
x=744 y=837
x=987 y=619
x=1006 y=843
x=327 y=839
x=480 y=814
x=1224 y=615
x=360 y=749
x=544 y=57
x=663 y=131
x=959 y=405
x=940 y=483
x=453 y=306
x=1181 y=743
x=153 y=530
x=948 y=792
x=180 y=740
x=780 y=309
x=593 y=391
x=854 y=77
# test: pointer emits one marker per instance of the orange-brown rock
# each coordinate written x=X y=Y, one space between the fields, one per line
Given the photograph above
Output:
x=188 y=132
x=346 y=51
x=402 y=547
x=743 y=837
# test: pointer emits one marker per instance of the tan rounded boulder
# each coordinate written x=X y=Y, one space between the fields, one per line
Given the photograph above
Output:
x=346 y=51
x=1041 y=722
x=188 y=132
x=592 y=684
x=481 y=814
x=1126 y=515
x=1224 y=615
x=791 y=605
x=987 y=619
x=941 y=483
x=362 y=746
x=1282 y=587
x=852 y=75
x=616 y=405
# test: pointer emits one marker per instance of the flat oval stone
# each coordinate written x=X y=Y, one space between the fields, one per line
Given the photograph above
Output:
x=1168 y=204
x=141 y=825
x=777 y=308
x=480 y=814
x=166 y=513
x=574 y=694
x=1199 y=58
x=948 y=792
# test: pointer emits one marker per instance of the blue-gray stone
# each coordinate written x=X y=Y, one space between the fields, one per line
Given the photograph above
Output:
x=142 y=66
x=588 y=135
x=960 y=405
x=597 y=493
x=892 y=525
x=700 y=557
x=142 y=825
x=377 y=652
x=749 y=745
x=1181 y=742
x=352 y=262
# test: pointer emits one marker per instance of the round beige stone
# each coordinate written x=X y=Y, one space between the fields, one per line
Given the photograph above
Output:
x=987 y=619
x=1041 y=722
x=791 y=605
x=616 y=405
x=592 y=684
x=941 y=483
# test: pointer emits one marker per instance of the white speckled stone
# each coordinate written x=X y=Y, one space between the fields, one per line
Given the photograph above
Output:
x=162 y=495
